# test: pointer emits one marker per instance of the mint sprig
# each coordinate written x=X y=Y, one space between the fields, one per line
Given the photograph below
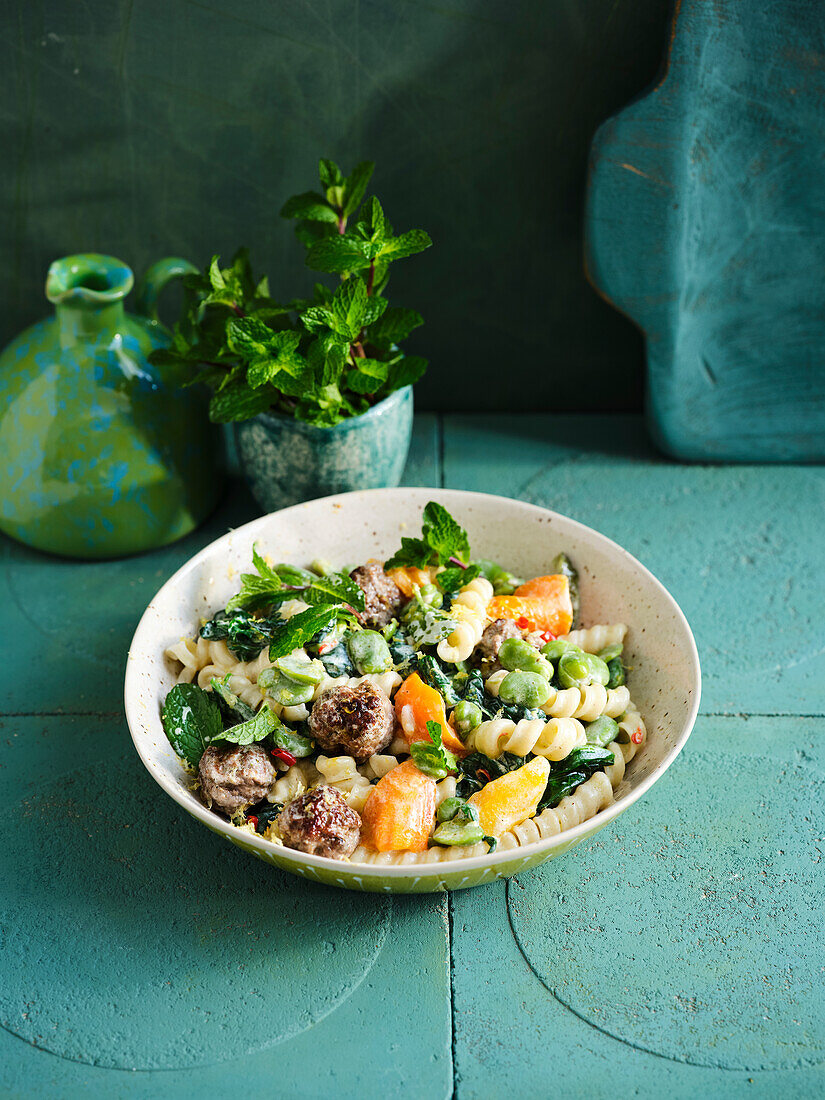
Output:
x=301 y=628
x=321 y=358
x=275 y=584
x=442 y=541
x=191 y=720
x=248 y=733
x=431 y=757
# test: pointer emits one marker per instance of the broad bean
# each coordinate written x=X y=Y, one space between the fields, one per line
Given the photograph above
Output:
x=467 y=716
x=369 y=652
x=602 y=731
x=516 y=655
x=524 y=689
x=284 y=690
x=558 y=647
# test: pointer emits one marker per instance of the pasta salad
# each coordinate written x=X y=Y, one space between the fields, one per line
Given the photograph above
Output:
x=429 y=707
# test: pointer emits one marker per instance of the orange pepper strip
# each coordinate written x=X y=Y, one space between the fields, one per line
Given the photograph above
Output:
x=427 y=706
x=545 y=601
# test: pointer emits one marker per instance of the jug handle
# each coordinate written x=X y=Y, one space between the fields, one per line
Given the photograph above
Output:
x=155 y=279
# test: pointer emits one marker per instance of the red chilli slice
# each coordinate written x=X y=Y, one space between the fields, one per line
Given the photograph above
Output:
x=287 y=757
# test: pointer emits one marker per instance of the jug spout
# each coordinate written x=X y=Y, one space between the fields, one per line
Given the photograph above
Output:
x=87 y=291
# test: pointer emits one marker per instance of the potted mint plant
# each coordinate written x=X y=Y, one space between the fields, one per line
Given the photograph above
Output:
x=318 y=389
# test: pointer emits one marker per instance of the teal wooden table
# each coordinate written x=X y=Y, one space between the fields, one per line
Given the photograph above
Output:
x=678 y=953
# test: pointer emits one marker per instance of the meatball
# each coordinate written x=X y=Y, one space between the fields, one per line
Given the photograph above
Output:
x=486 y=652
x=358 y=721
x=235 y=776
x=321 y=823
x=382 y=596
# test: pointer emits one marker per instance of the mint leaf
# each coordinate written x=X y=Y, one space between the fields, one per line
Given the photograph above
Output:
x=317 y=318
x=356 y=185
x=236 y=708
x=348 y=308
x=416 y=240
x=216 y=279
x=431 y=757
x=450 y=580
x=373 y=227
x=247 y=733
x=335 y=588
x=191 y=720
x=238 y=402
x=311 y=206
x=374 y=309
x=443 y=534
x=396 y=324
x=368 y=377
x=301 y=628
x=337 y=255
x=405 y=372
x=442 y=539
x=330 y=174
x=415 y=552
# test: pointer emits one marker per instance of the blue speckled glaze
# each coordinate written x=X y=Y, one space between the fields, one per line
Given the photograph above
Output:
x=286 y=461
x=100 y=453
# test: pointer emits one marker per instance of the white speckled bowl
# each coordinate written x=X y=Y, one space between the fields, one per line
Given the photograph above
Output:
x=665 y=682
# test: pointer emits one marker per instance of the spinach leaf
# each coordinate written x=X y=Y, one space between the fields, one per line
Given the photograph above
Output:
x=191 y=720
x=567 y=774
x=337 y=662
x=477 y=770
x=247 y=733
x=266 y=813
x=428 y=625
x=431 y=672
x=404 y=656
x=245 y=636
x=474 y=693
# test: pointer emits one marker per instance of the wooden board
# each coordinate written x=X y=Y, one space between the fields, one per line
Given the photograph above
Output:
x=705 y=224
x=678 y=952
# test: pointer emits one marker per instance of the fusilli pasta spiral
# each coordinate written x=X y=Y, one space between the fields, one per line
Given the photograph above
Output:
x=387 y=682
x=593 y=638
x=587 y=703
x=342 y=772
x=469 y=609
x=554 y=739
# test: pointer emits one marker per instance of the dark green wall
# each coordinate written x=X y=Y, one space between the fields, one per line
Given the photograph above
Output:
x=149 y=127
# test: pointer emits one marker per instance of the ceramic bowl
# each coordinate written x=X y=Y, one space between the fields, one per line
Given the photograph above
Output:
x=665 y=682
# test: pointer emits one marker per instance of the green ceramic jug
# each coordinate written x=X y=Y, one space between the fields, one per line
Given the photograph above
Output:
x=100 y=453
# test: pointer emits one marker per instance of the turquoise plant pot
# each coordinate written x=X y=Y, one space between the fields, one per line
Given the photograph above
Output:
x=286 y=461
x=100 y=453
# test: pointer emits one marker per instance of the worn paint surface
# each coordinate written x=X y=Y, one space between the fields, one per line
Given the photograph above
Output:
x=150 y=127
x=674 y=953
x=135 y=940
x=704 y=224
